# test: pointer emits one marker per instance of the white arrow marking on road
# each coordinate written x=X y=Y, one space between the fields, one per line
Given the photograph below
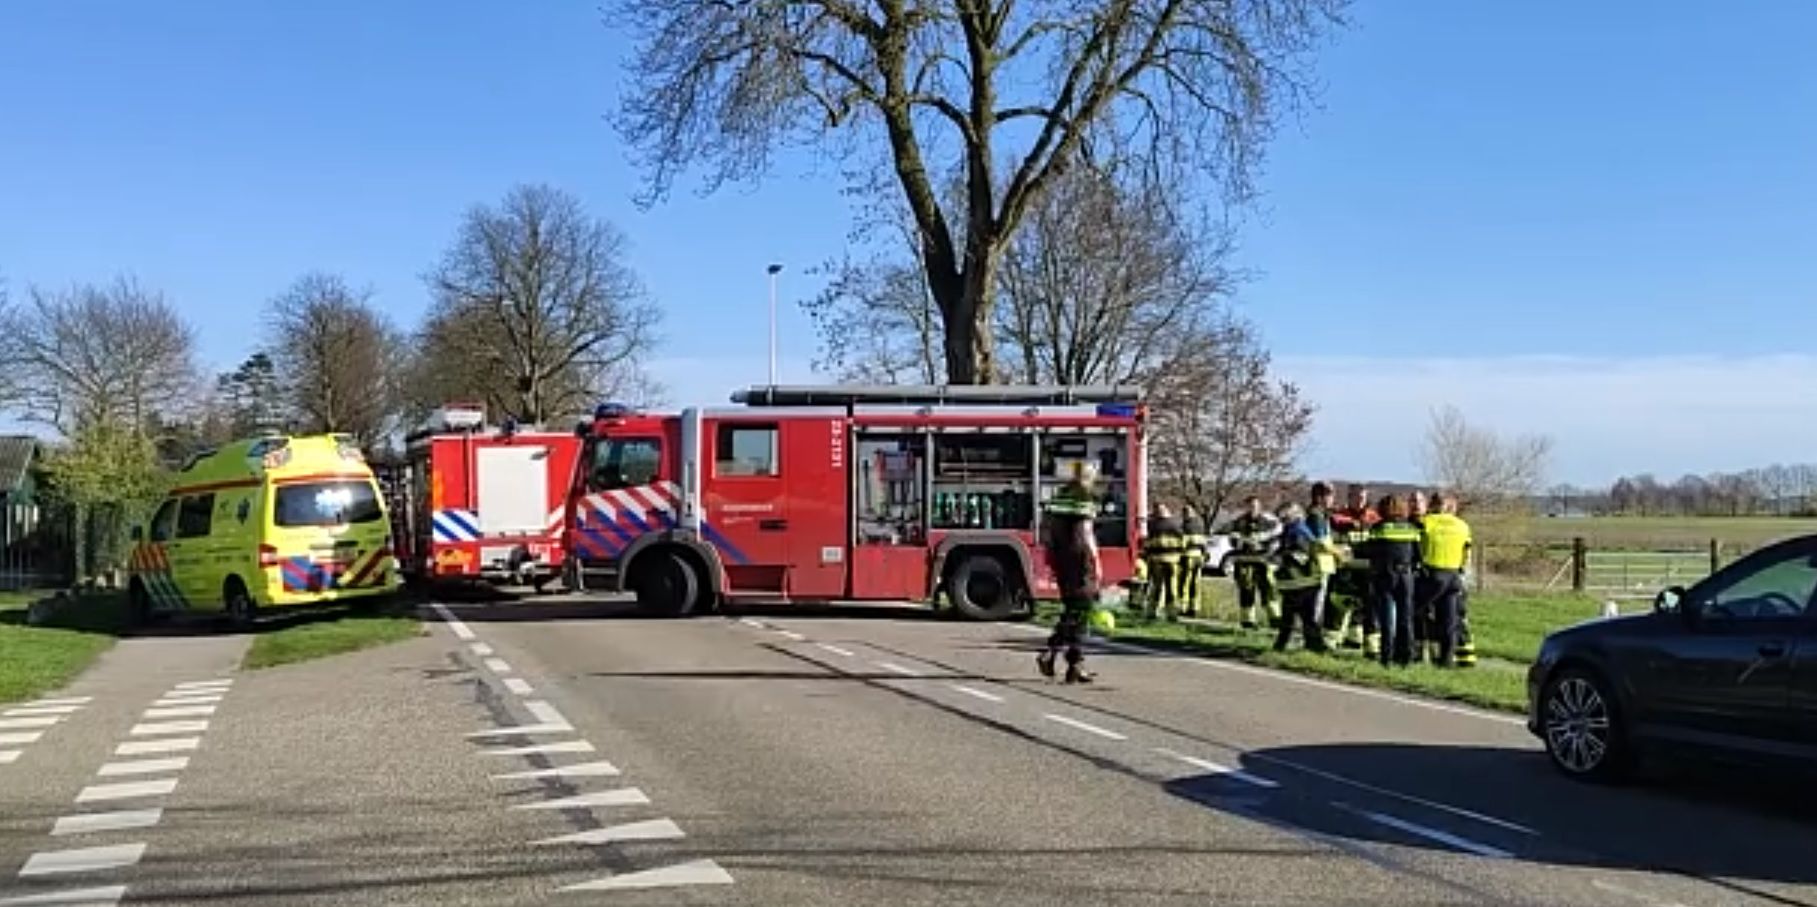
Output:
x=624 y=796
x=653 y=830
x=519 y=686
x=566 y=746
x=980 y=694
x=835 y=650
x=1218 y=769
x=87 y=823
x=1088 y=728
x=69 y=700
x=697 y=872
x=156 y=728
x=17 y=739
x=83 y=897
x=454 y=623
x=17 y=723
x=581 y=770
x=86 y=859
x=9 y=756
x=42 y=710
x=168 y=745
x=1432 y=834
x=144 y=766
x=186 y=711
x=221 y=684
x=126 y=790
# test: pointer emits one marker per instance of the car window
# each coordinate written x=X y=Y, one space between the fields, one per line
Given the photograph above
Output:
x=1780 y=587
x=195 y=516
x=332 y=503
x=623 y=463
x=164 y=522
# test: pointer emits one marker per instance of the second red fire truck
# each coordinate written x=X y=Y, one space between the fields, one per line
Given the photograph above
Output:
x=850 y=493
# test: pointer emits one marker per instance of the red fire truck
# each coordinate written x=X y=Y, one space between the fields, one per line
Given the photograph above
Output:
x=850 y=493
x=483 y=502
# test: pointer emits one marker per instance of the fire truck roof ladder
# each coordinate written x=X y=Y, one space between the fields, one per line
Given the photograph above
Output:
x=937 y=395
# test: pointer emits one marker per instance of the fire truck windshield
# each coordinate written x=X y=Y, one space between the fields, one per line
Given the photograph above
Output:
x=623 y=462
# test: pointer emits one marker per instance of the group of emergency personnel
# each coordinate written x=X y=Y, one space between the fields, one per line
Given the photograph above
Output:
x=1387 y=579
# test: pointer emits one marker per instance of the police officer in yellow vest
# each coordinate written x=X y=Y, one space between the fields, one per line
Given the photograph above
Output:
x=1444 y=550
x=1162 y=547
x=1192 y=561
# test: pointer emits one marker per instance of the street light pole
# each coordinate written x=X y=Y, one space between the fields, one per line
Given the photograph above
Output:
x=774 y=270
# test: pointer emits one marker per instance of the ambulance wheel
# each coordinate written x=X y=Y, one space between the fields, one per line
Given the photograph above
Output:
x=666 y=585
x=980 y=588
x=241 y=611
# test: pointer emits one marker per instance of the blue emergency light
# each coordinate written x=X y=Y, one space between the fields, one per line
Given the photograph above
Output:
x=611 y=411
x=1126 y=410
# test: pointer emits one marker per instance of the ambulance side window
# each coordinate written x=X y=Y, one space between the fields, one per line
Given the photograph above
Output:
x=164 y=522
x=195 y=516
x=623 y=463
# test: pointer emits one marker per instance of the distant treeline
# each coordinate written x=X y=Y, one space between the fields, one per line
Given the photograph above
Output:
x=1777 y=490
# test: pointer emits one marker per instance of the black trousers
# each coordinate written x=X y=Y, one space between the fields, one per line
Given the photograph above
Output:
x=1441 y=595
x=1394 y=605
x=1300 y=605
x=1070 y=628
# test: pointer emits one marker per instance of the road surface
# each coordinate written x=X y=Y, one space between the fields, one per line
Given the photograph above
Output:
x=562 y=751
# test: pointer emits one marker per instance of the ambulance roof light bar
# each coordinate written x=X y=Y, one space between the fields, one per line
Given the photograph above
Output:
x=937 y=395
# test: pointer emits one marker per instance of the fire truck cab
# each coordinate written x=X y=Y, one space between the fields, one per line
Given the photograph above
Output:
x=850 y=493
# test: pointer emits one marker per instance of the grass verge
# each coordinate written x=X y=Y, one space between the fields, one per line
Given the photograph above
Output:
x=333 y=633
x=36 y=660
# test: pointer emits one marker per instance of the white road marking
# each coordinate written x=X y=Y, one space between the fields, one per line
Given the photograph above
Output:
x=836 y=650
x=896 y=668
x=543 y=749
x=480 y=648
x=695 y=872
x=753 y=622
x=1088 y=728
x=1218 y=769
x=653 y=830
x=85 y=859
x=791 y=634
x=157 y=728
x=1407 y=798
x=519 y=686
x=8 y=757
x=126 y=790
x=578 y=770
x=20 y=738
x=220 y=684
x=183 y=711
x=524 y=729
x=88 y=823
x=1640 y=896
x=979 y=694
x=498 y=666
x=42 y=710
x=454 y=623
x=1433 y=834
x=544 y=712
x=105 y=896
x=188 y=700
x=144 y=767
x=67 y=700
x=18 y=723
x=624 y=796
x=147 y=747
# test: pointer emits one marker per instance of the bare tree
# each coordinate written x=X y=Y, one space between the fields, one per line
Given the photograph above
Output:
x=878 y=324
x=1486 y=469
x=334 y=358
x=1014 y=92
x=88 y=356
x=535 y=304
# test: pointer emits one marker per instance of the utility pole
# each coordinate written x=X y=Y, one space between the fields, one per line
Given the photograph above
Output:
x=775 y=269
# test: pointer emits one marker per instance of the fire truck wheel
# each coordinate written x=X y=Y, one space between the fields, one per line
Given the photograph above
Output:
x=981 y=588
x=666 y=585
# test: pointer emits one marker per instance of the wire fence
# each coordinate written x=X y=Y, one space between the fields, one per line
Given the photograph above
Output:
x=1583 y=568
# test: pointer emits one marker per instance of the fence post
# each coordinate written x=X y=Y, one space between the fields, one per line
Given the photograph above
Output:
x=1715 y=555
x=1579 y=564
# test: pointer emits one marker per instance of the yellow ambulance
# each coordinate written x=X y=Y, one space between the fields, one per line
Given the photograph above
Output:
x=265 y=523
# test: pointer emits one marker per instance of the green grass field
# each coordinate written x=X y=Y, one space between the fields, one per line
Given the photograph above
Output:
x=36 y=660
x=1664 y=533
x=333 y=633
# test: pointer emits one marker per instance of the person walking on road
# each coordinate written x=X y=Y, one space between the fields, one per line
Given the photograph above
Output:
x=1299 y=580
x=1162 y=549
x=1394 y=552
x=1072 y=550
x=1444 y=550
x=1192 y=561
x=1256 y=533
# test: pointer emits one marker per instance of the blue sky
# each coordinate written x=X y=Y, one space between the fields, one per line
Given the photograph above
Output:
x=1599 y=223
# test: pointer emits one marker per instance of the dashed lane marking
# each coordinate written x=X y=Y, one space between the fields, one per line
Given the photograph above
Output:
x=20 y=738
x=976 y=693
x=126 y=790
x=791 y=634
x=480 y=648
x=84 y=859
x=28 y=710
x=753 y=622
x=160 y=728
x=167 y=745
x=578 y=770
x=696 y=872
x=498 y=666
x=1394 y=794
x=543 y=749
x=171 y=701
x=35 y=721
x=1083 y=726
x=220 y=684
x=1430 y=834
x=455 y=624
x=519 y=686
x=186 y=711
x=105 y=896
x=144 y=767
x=847 y=653
x=1219 y=769
x=90 y=823
x=895 y=668
x=624 y=796
x=546 y=713
x=652 y=830
x=8 y=757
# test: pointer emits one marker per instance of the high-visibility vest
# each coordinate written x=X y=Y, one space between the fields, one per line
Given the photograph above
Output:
x=1073 y=500
x=1298 y=570
x=1445 y=541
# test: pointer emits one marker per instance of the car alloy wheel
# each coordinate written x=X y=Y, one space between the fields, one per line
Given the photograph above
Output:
x=1577 y=725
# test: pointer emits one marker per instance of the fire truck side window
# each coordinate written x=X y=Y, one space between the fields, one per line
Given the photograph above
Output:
x=745 y=450
x=623 y=463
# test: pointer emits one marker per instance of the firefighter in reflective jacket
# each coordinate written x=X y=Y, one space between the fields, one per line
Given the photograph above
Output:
x=1192 y=561
x=1255 y=533
x=1161 y=548
x=1299 y=578
x=1444 y=550
x=1350 y=604
x=1072 y=550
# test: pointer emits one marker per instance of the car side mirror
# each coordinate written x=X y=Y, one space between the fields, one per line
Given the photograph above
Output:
x=137 y=533
x=1668 y=599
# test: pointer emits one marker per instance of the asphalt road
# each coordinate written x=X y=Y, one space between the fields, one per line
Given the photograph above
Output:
x=561 y=751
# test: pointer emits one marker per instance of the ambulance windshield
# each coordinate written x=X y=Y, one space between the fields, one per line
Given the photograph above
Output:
x=326 y=504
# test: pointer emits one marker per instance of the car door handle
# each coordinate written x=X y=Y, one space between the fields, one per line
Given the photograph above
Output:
x=772 y=525
x=1772 y=649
